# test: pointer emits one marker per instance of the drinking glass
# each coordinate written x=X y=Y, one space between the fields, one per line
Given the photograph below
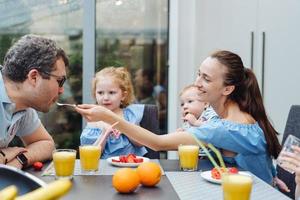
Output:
x=89 y=157
x=236 y=186
x=287 y=147
x=64 y=162
x=188 y=157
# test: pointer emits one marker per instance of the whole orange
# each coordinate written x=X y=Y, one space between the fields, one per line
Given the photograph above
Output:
x=125 y=180
x=149 y=173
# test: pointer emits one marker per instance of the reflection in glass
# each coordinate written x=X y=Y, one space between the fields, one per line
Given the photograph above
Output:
x=134 y=34
x=131 y=33
x=54 y=19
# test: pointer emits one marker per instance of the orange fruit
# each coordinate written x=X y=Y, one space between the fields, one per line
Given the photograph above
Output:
x=149 y=173
x=125 y=180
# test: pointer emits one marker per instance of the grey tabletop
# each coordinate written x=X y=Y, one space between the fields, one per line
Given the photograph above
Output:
x=173 y=185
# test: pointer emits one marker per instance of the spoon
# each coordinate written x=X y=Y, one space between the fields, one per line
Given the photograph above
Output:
x=65 y=104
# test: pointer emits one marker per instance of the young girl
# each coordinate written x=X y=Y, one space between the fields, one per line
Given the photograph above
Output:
x=112 y=89
x=192 y=109
x=241 y=126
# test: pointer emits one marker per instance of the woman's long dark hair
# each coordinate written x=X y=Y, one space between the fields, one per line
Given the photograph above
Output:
x=247 y=95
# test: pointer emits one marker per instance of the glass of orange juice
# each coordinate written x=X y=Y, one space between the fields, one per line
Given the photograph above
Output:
x=188 y=157
x=236 y=186
x=89 y=157
x=64 y=162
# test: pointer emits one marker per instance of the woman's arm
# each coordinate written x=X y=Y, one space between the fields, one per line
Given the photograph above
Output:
x=137 y=133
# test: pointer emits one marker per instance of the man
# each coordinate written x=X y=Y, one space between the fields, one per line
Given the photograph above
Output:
x=31 y=79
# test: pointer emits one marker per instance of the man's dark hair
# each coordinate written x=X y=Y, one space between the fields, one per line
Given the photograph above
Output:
x=32 y=52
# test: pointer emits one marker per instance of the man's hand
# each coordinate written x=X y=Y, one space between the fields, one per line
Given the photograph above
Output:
x=12 y=152
x=15 y=163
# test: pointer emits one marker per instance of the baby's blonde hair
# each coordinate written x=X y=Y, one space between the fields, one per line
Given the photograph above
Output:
x=187 y=88
x=120 y=76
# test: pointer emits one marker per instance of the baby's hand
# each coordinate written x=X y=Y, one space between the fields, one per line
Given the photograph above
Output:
x=191 y=119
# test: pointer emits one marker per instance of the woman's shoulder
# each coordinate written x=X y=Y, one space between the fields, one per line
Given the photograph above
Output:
x=228 y=125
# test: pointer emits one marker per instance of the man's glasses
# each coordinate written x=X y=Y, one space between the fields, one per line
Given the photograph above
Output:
x=61 y=79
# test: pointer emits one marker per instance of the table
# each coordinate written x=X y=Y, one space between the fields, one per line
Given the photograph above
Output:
x=173 y=185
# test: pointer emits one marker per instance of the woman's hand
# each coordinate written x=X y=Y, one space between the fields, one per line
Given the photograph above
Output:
x=280 y=184
x=91 y=112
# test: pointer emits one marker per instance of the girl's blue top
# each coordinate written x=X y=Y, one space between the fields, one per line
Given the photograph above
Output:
x=247 y=140
x=117 y=146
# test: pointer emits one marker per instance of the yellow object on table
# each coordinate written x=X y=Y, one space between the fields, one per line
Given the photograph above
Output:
x=53 y=190
x=64 y=162
x=188 y=157
x=236 y=186
x=89 y=157
x=9 y=193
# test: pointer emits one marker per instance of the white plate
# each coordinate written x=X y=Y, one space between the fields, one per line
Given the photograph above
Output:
x=207 y=176
x=121 y=164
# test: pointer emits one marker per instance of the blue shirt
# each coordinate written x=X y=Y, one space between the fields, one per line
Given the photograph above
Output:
x=247 y=140
x=117 y=146
x=20 y=123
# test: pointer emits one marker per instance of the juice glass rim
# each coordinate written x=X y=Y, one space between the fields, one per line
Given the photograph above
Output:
x=188 y=145
x=228 y=174
x=64 y=150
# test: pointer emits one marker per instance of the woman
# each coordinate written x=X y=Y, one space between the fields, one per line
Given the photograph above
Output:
x=241 y=125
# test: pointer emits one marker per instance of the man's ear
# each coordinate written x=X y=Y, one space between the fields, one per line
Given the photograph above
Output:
x=228 y=90
x=33 y=76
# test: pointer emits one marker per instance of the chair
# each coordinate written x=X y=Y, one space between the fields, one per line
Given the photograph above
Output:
x=292 y=127
x=150 y=122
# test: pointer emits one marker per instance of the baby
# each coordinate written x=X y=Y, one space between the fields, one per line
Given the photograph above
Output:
x=194 y=112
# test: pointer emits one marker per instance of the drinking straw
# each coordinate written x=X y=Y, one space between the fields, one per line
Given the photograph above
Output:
x=217 y=152
x=102 y=136
x=212 y=160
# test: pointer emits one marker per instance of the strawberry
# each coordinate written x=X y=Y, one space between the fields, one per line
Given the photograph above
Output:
x=215 y=173
x=138 y=160
x=130 y=158
x=123 y=159
x=233 y=170
x=37 y=166
x=132 y=155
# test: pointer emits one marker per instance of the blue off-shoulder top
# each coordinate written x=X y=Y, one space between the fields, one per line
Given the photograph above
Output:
x=247 y=140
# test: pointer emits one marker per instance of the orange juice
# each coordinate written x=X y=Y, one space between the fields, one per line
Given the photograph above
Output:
x=89 y=157
x=188 y=157
x=64 y=162
x=236 y=187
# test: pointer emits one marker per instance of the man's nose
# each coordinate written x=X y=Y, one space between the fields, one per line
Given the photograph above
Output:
x=61 y=90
